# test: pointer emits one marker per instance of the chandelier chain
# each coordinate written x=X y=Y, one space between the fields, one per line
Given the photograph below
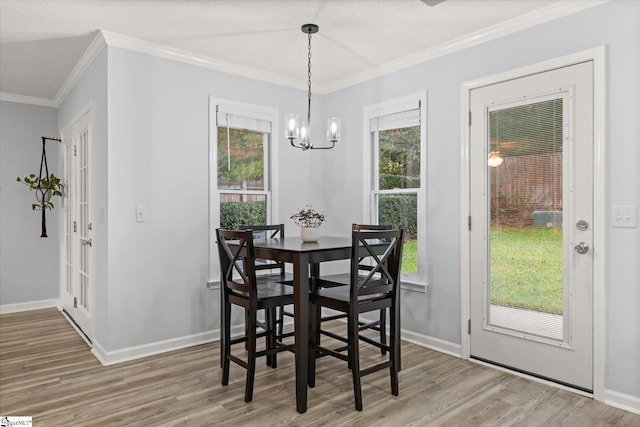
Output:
x=309 y=83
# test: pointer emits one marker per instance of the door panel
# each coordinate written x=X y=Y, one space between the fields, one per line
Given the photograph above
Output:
x=531 y=185
x=78 y=223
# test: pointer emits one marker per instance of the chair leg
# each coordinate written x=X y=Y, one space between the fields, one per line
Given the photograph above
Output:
x=354 y=358
x=383 y=329
x=251 y=360
x=280 y=320
x=226 y=343
x=394 y=353
x=314 y=336
x=246 y=328
x=271 y=336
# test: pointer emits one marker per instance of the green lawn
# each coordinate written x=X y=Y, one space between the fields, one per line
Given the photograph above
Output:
x=526 y=268
x=410 y=257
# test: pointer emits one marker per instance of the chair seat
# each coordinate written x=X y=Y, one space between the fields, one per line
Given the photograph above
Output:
x=285 y=279
x=341 y=293
x=333 y=280
x=268 y=290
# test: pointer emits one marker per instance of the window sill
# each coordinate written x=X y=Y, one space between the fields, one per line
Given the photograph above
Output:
x=409 y=285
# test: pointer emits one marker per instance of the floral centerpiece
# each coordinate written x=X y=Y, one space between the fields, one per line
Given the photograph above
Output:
x=309 y=220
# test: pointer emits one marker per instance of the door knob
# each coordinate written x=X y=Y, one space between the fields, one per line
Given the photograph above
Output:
x=582 y=248
x=86 y=242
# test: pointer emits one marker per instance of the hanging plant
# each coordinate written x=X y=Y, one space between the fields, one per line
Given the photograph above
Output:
x=44 y=188
x=45 y=185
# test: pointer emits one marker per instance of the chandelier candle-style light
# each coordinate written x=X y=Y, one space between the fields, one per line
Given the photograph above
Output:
x=494 y=159
x=299 y=133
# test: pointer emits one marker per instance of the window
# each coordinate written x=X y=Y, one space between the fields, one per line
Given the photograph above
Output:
x=395 y=178
x=242 y=160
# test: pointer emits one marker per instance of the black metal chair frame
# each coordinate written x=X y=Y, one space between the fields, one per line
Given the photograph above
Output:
x=379 y=325
x=240 y=288
x=377 y=290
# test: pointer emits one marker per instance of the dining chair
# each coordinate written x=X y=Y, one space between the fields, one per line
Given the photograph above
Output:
x=270 y=231
x=343 y=279
x=240 y=288
x=378 y=289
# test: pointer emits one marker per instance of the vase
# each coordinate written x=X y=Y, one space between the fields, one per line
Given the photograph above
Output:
x=309 y=234
x=42 y=194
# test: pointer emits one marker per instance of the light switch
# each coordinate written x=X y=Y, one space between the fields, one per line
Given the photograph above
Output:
x=141 y=213
x=623 y=216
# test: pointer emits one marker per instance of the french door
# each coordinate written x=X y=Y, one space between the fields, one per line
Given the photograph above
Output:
x=77 y=245
x=531 y=219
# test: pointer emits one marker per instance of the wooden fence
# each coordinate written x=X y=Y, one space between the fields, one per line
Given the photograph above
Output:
x=524 y=184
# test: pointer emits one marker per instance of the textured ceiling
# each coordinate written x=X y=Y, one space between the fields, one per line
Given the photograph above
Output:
x=41 y=41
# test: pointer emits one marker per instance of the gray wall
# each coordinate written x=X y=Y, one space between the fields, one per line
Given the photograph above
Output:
x=438 y=313
x=159 y=157
x=22 y=250
x=153 y=151
x=91 y=89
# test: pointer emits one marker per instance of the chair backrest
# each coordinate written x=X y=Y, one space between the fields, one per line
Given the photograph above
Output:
x=266 y=232
x=368 y=227
x=383 y=250
x=237 y=262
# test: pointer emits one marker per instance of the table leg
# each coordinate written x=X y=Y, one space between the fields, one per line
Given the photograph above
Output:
x=222 y=323
x=314 y=330
x=301 y=322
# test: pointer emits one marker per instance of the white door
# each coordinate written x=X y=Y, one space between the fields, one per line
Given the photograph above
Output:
x=77 y=252
x=531 y=199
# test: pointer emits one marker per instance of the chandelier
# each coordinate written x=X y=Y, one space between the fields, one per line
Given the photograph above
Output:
x=299 y=133
x=494 y=159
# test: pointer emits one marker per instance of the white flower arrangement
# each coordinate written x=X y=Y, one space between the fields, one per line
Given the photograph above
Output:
x=308 y=218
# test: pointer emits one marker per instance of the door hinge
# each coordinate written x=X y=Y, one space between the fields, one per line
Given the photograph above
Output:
x=75 y=151
x=75 y=226
x=469 y=117
x=469 y=327
x=469 y=222
x=75 y=302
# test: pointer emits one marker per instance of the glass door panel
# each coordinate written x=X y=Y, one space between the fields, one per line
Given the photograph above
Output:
x=525 y=176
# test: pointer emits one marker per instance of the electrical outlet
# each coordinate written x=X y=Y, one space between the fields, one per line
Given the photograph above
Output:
x=623 y=216
x=141 y=213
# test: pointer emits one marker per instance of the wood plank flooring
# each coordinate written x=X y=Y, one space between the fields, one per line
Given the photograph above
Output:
x=47 y=372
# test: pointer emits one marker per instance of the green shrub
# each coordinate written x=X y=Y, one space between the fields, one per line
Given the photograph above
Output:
x=401 y=211
x=234 y=214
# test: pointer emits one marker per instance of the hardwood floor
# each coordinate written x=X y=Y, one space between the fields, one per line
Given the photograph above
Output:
x=47 y=372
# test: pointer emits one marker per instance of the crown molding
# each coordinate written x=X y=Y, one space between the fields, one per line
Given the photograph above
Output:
x=540 y=16
x=187 y=57
x=24 y=99
x=107 y=38
x=536 y=17
x=90 y=54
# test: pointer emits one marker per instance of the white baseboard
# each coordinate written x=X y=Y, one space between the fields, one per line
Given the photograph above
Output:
x=126 y=354
x=432 y=343
x=622 y=401
x=31 y=305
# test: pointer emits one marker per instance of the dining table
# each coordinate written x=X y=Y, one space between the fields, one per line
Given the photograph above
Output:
x=305 y=258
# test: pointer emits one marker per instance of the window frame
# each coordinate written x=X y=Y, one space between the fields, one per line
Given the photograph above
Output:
x=271 y=182
x=370 y=175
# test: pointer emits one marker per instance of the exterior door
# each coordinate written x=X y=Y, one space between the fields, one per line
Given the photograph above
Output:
x=77 y=249
x=531 y=199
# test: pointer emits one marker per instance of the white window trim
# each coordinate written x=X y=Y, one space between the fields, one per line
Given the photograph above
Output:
x=382 y=109
x=271 y=158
